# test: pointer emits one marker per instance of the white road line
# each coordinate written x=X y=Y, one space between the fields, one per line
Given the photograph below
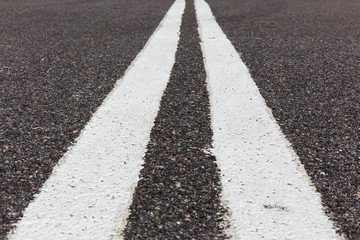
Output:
x=88 y=194
x=264 y=185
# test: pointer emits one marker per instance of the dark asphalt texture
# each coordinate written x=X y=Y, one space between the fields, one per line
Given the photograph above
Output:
x=305 y=58
x=58 y=60
x=178 y=195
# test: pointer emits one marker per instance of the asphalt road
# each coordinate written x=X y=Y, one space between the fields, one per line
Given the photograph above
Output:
x=304 y=56
x=179 y=188
x=58 y=61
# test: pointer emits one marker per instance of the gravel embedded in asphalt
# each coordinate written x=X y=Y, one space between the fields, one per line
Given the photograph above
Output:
x=178 y=195
x=305 y=58
x=58 y=61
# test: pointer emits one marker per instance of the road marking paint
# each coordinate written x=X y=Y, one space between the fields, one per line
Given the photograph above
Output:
x=89 y=192
x=265 y=187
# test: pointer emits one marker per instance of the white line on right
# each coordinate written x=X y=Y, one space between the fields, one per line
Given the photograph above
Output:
x=265 y=187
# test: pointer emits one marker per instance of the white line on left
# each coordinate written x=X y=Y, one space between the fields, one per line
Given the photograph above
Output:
x=89 y=192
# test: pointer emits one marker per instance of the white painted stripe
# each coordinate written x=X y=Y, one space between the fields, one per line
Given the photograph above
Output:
x=89 y=193
x=264 y=185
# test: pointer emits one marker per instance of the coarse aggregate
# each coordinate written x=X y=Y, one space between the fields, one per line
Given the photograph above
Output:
x=178 y=194
x=58 y=61
x=305 y=58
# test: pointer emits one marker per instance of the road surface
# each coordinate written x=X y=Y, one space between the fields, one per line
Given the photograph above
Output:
x=178 y=119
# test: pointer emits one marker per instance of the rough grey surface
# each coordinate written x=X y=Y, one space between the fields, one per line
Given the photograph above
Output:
x=305 y=58
x=58 y=60
x=178 y=195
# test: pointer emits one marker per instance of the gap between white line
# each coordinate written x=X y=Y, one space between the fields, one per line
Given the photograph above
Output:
x=265 y=187
x=89 y=192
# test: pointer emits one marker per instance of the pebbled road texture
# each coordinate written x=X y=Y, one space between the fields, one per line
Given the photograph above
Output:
x=58 y=61
x=178 y=195
x=305 y=58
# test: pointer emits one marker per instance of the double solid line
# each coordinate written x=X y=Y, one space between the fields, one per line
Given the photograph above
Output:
x=264 y=186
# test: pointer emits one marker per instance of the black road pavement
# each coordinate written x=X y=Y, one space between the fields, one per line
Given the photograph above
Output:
x=178 y=195
x=59 y=59
x=305 y=58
